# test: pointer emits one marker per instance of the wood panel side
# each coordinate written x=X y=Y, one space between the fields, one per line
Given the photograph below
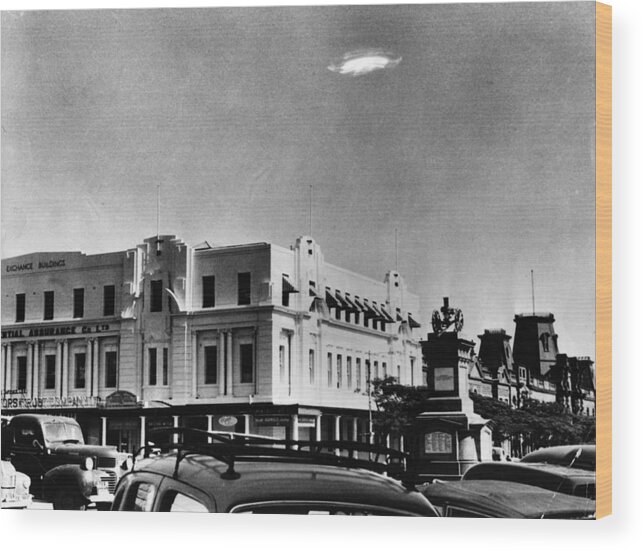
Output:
x=603 y=260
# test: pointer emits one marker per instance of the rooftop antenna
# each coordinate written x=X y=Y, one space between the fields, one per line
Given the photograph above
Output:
x=158 y=210
x=396 y=268
x=310 y=212
x=533 y=296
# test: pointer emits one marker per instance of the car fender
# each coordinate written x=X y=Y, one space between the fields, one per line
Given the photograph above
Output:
x=70 y=478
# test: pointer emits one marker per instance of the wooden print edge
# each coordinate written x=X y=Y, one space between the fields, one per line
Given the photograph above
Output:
x=603 y=260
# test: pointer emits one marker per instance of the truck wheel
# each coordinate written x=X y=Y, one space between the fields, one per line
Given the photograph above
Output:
x=69 y=501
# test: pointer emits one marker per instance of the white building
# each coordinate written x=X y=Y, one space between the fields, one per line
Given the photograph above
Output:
x=255 y=338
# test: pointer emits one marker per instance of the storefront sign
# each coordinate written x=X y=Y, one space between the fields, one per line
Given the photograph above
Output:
x=307 y=420
x=50 y=402
x=54 y=331
x=121 y=399
x=272 y=420
x=228 y=421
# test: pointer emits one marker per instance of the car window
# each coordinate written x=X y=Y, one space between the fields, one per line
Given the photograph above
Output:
x=462 y=513
x=176 y=502
x=140 y=497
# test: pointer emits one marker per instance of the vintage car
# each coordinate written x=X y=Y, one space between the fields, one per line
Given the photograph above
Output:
x=15 y=487
x=63 y=469
x=555 y=478
x=579 y=456
x=253 y=476
x=501 y=499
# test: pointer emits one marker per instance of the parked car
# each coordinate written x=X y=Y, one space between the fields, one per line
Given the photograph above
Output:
x=555 y=478
x=15 y=487
x=499 y=454
x=252 y=475
x=501 y=499
x=64 y=470
x=579 y=456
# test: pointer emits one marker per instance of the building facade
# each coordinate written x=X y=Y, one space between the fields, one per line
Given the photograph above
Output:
x=250 y=338
x=535 y=369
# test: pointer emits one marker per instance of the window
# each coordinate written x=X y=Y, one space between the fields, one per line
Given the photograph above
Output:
x=151 y=366
x=311 y=366
x=282 y=362
x=330 y=369
x=358 y=372
x=399 y=374
x=156 y=295
x=384 y=369
x=210 y=364
x=376 y=370
x=246 y=361
x=20 y=307
x=79 y=303
x=109 y=300
x=412 y=371
x=165 y=366
x=523 y=372
x=243 y=288
x=175 y=502
x=367 y=366
x=339 y=371
x=208 y=291
x=110 y=368
x=544 y=338
x=140 y=497
x=49 y=305
x=22 y=372
x=349 y=374
x=79 y=371
x=50 y=371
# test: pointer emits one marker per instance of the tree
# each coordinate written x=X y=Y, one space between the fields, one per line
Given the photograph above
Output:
x=536 y=424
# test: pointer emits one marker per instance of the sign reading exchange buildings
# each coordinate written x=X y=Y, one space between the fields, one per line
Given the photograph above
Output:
x=29 y=266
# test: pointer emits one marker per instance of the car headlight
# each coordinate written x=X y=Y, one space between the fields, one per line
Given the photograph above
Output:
x=88 y=463
x=26 y=483
x=127 y=464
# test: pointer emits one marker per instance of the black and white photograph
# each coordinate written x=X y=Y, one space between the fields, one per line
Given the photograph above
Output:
x=300 y=260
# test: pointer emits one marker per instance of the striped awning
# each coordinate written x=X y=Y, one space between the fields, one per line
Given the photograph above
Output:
x=287 y=285
x=331 y=301
x=351 y=305
x=412 y=323
x=387 y=317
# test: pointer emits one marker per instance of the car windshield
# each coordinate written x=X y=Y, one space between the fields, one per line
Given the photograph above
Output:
x=63 y=432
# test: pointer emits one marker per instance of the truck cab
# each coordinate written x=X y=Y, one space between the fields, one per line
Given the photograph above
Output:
x=51 y=450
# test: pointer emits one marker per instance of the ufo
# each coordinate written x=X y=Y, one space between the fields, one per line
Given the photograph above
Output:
x=362 y=62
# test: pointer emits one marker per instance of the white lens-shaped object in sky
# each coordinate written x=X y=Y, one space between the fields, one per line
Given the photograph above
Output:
x=365 y=61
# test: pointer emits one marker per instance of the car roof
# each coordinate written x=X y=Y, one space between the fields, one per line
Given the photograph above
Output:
x=274 y=480
x=508 y=499
x=41 y=418
x=565 y=455
x=552 y=477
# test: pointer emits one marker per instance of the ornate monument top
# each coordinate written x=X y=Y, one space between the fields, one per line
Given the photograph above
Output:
x=450 y=317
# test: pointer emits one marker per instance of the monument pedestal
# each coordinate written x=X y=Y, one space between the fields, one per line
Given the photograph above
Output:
x=448 y=436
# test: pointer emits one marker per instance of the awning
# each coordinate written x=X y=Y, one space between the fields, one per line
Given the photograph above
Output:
x=412 y=323
x=380 y=316
x=312 y=291
x=317 y=305
x=343 y=303
x=387 y=317
x=369 y=312
x=331 y=301
x=287 y=285
x=352 y=306
x=398 y=315
x=359 y=304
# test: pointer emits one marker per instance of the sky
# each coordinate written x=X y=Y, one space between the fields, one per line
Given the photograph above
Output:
x=467 y=128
